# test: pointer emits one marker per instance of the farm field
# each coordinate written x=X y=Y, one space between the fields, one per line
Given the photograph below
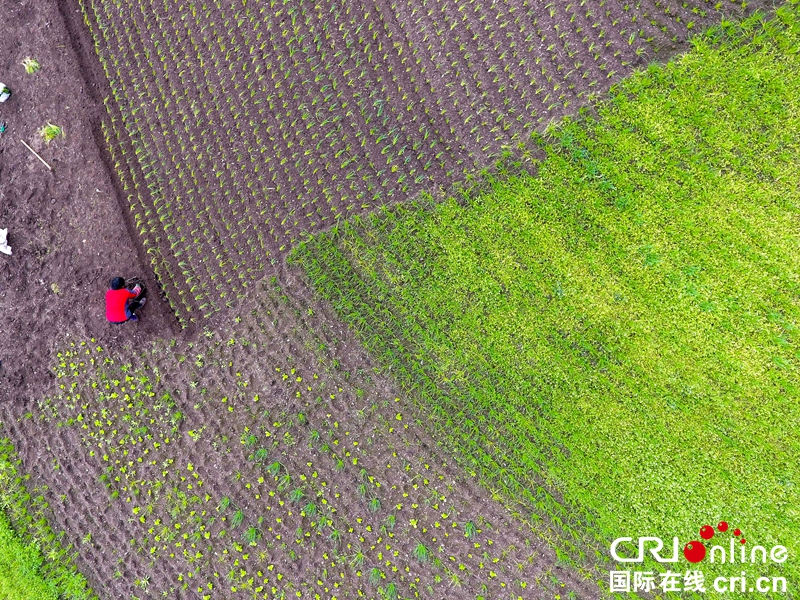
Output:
x=235 y=126
x=497 y=380
x=412 y=526
x=619 y=329
x=228 y=467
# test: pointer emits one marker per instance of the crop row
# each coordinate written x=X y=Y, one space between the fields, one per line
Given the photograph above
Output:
x=296 y=502
x=235 y=127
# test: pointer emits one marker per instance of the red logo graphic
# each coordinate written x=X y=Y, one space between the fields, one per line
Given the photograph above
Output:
x=695 y=551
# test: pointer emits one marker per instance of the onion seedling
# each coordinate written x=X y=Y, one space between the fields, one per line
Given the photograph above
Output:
x=31 y=65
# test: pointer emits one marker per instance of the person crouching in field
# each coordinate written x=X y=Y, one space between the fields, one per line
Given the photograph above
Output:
x=122 y=303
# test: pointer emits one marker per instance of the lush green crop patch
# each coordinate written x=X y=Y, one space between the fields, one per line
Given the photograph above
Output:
x=33 y=561
x=19 y=568
x=622 y=326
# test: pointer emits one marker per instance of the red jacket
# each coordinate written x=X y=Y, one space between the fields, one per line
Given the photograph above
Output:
x=116 y=301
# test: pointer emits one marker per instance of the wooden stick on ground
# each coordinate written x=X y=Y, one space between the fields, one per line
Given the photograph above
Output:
x=36 y=155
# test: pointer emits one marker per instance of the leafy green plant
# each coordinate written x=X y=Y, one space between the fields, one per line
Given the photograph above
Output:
x=31 y=65
x=50 y=132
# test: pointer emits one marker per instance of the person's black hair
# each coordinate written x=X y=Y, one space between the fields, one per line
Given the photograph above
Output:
x=117 y=283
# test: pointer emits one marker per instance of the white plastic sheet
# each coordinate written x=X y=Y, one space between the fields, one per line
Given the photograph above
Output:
x=4 y=247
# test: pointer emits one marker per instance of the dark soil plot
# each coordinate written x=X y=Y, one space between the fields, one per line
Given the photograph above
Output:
x=250 y=464
x=67 y=232
x=234 y=127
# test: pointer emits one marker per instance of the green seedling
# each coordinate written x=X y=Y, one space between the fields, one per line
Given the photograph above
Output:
x=390 y=591
x=421 y=552
x=237 y=518
x=470 y=531
x=375 y=576
x=357 y=560
x=296 y=495
x=50 y=132
x=252 y=535
x=31 y=65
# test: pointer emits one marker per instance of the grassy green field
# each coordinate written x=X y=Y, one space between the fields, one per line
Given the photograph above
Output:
x=34 y=565
x=613 y=340
x=20 y=578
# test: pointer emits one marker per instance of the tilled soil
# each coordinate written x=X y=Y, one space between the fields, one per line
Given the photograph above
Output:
x=66 y=228
x=162 y=435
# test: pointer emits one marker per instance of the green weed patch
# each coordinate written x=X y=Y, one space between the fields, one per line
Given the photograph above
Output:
x=19 y=568
x=613 y=341
x=33 y=562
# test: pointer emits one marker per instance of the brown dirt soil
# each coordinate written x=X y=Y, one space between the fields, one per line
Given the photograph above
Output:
x=66 y=228
x=146 y=443
x=92 y=444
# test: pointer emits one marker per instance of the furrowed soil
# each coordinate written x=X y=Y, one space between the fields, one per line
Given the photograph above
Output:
x=144 y=451
x=66 y=228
